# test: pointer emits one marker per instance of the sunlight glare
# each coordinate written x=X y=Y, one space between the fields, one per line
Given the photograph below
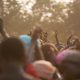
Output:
x=26 y=5
x=64 y=1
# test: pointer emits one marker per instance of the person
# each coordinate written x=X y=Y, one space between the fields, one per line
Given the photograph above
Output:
x=76 y=44
x=50 y=51
x=44 y=70
x=73 y=43
x=2 y=30
x=44 y=37
x=33 y=45
x=69 y=64
x=12 y=53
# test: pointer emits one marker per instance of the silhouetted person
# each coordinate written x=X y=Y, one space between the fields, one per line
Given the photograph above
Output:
x=2 y=30
x=12 y=53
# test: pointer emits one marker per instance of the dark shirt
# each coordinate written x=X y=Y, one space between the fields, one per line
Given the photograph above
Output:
x=14 y=73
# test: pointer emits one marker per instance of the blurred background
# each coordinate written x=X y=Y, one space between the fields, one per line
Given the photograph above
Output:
x=62 y=16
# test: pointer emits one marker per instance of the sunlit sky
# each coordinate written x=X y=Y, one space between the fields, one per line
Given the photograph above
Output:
x=65 y=1
x=27 y=4
x=30 y=4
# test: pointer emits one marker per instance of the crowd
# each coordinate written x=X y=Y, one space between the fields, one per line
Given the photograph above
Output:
x=34 y=57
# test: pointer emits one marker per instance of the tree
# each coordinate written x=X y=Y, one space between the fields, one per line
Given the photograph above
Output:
x=48 y=13
x=73 y=21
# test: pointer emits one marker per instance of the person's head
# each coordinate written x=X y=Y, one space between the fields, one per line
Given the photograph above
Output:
x=44 y=36
x=42 y=69
x=77 y=43
x=12 y=50
x=70 y=65
x=36 y=32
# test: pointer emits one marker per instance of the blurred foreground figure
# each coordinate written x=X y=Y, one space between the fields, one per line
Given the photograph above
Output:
x=43 y=70
x=12 y=53
x=2 y=30
x=69 y=64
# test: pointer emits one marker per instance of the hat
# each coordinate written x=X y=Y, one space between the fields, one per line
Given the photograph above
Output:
x=71 y=65
x=62 y=55
x=41 y=69
x=26 y=40
x=73 y=57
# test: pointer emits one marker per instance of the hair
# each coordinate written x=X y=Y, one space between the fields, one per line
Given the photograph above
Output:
x=12 y=49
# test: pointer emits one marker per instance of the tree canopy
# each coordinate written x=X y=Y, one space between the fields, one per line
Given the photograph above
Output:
x=19 y=17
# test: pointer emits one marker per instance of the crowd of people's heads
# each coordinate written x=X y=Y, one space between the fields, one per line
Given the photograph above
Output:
x=34 y=57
